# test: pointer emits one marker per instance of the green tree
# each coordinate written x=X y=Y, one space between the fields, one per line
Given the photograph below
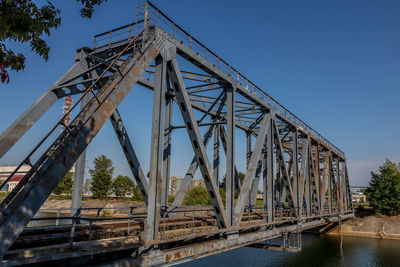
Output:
x=137 y=195
x=65 y=186
x=101 y=177
x=122 y=185
x=23 y=21
x=383 y=192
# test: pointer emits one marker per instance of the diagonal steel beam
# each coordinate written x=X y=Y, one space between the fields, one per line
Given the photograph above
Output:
x=325 y=180
x=60 y=157
x=196 y=141
x=194 y=164
x=283 y=169
x=216 y=154
x=24 y=122
x=130 y=154
x=313 y=179
x=223 y=141
x=251 y=169
x=256 y=182
x=303 y=174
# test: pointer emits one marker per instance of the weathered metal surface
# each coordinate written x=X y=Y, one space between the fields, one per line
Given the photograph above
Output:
x=130 y=154
x=226 y=103
x=31 y=197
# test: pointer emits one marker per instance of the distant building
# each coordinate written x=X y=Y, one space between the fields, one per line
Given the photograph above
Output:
x=195 y=183
x=6 y=171
x=359 y=197
x=174 y=185
x=13 y=182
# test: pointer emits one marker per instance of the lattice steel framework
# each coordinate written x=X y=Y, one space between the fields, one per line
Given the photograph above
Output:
x=301 y=174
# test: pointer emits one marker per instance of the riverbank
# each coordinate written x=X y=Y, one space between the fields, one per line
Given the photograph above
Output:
x=382 y=227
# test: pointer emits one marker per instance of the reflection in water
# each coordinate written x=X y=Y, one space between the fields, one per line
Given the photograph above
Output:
x=317 y=251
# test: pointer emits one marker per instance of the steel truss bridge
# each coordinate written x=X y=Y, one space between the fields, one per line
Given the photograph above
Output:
x=302 y=175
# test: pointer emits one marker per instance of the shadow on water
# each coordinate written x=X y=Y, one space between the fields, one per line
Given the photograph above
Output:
x=317 y=251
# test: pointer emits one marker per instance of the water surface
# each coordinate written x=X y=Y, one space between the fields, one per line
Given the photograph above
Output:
x=317 y=251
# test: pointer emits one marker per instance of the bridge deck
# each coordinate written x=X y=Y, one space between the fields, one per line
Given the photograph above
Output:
x=119 y=238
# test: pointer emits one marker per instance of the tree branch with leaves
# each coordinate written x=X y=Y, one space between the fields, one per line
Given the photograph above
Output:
x=23 y=21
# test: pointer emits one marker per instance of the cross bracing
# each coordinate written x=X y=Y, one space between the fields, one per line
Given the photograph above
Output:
x=302 y=175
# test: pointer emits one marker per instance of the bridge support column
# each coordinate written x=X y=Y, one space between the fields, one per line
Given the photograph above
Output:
x=268 y=175
x=167 y=153
x=230 y=154
x=216 y=155
x=156 y=155
x=295 y=167
x=79 y=174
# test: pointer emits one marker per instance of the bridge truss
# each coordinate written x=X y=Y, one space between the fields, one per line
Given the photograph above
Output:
x=302 y=175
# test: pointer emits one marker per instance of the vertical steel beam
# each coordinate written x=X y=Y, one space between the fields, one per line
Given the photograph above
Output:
x=313 y=179
x=156 y=153
x=248 y=154
x=330 y=184
x=268 y=175
x=256 y=182
x=325 y=181
x=295 y=167
x=230 y=154
x=167 y=153
x=216 y=132
x=338 y=189
x=196 y=141
x=317 y=174
x=79 y=174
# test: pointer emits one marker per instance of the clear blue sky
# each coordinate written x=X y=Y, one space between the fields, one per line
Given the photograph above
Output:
x=335 y=64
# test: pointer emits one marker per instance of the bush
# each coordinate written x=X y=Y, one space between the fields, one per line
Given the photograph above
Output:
x=383 y=192
x=197 y=196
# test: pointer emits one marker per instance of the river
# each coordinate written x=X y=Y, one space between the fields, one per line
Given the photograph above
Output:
x=317 y=251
